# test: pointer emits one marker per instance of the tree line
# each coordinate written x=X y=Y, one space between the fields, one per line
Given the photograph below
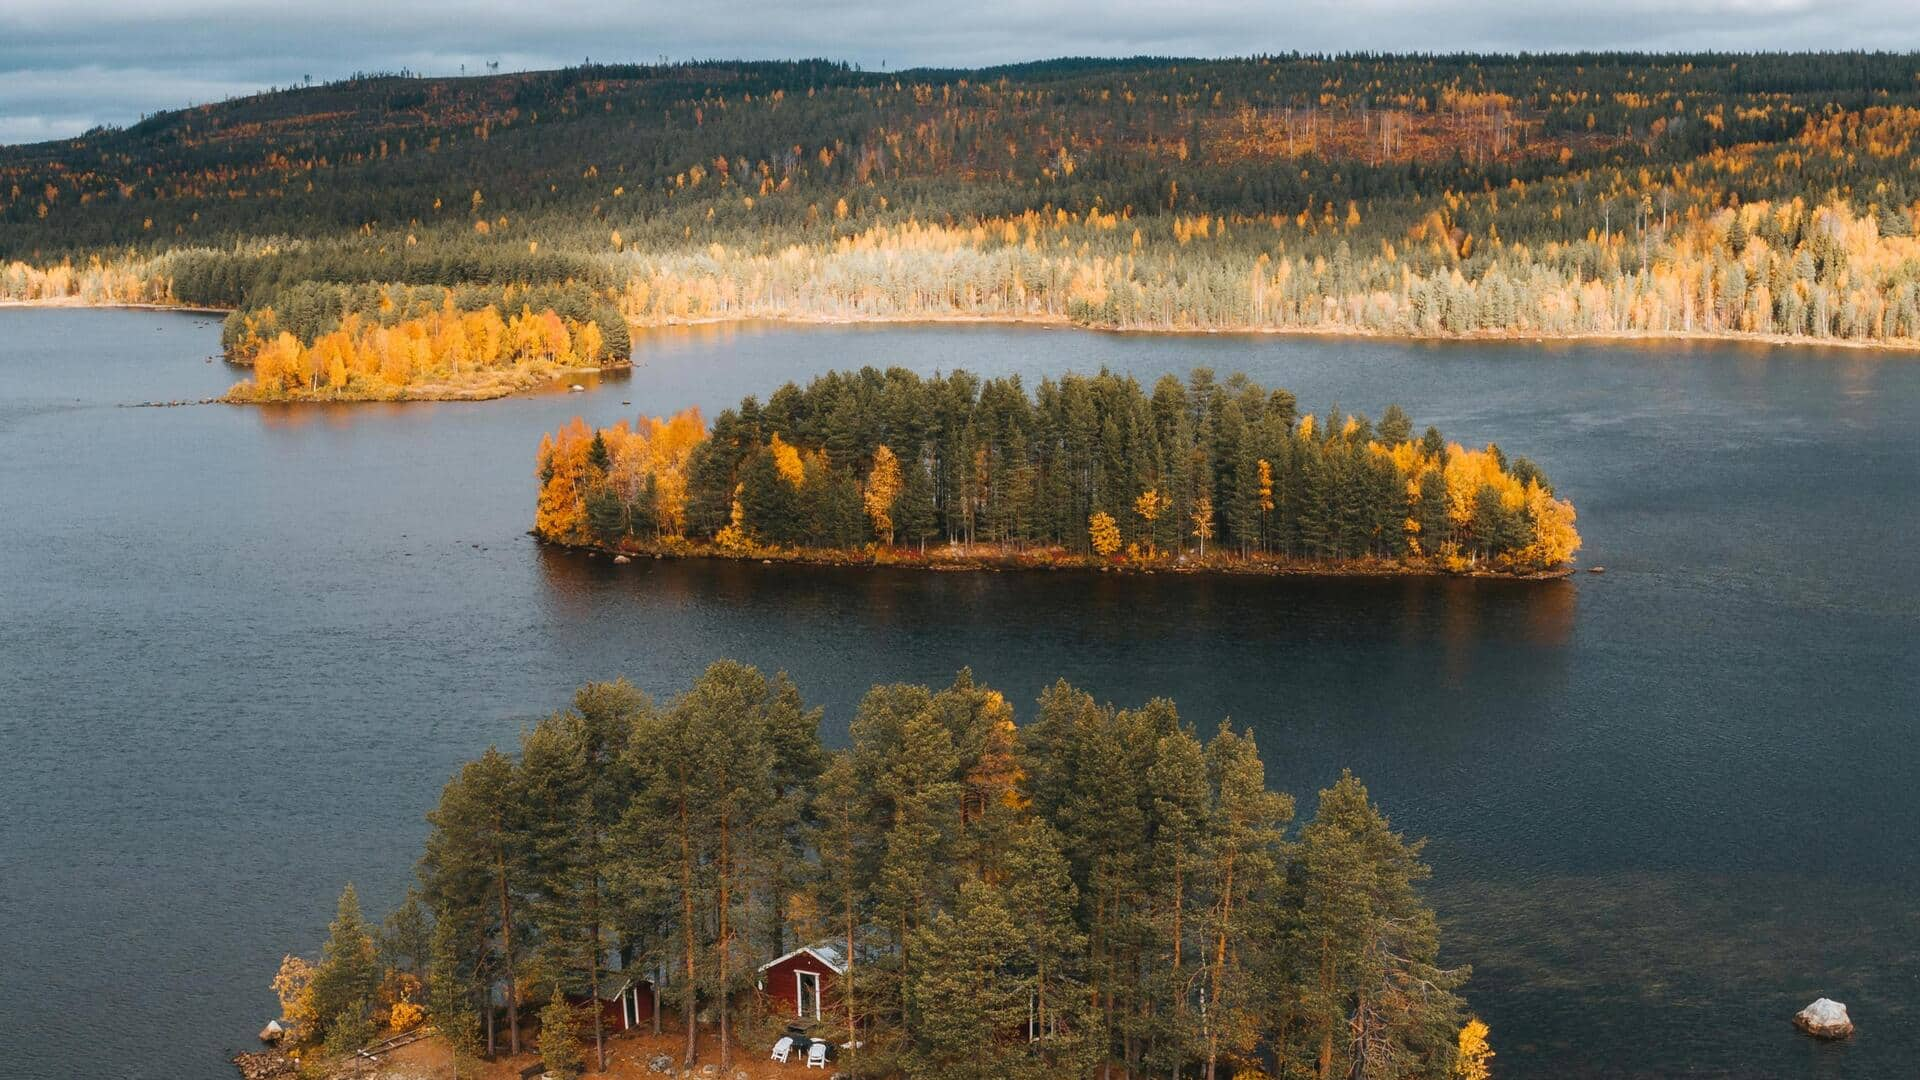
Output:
x=1724 y=194
x=1099 y=891
x=1093 y=466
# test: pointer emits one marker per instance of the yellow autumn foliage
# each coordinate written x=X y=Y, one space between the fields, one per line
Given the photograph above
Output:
x=406 y=1015
x=1474 y=1053
x=883 y=489
x=1104 y=533
x=364 y=359
x=786 y=460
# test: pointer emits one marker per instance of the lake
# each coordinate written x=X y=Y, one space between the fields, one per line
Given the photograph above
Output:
x=242 y=648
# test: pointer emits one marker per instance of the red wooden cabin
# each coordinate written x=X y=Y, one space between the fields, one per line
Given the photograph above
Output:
x=799 y=986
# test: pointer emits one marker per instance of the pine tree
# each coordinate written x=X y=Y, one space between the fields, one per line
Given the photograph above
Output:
x=1243 y=844
x=1373 y=1001
x=845 y=840
x=701 y=828
x=347 y=977
x=971 y=993
x=473 y=872
x=576 y=782
x=1177 y=781
x=450 y=992
x=406 y=938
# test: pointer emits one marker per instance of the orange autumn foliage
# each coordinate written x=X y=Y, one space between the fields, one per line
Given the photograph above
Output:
x=657 y=450
x=364 y=359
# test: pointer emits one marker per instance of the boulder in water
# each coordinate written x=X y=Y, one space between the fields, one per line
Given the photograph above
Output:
x=622 y=559
x=1824 y=1019
x=273 y=1032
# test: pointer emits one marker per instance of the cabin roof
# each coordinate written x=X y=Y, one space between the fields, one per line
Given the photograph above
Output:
x=825 y=953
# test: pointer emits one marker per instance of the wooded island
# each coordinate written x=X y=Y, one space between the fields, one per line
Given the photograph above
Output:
x=1085 y=470
x=1097 y=892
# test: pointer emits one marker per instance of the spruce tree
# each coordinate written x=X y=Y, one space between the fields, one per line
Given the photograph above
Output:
x=559 y=1039
x=348 y=977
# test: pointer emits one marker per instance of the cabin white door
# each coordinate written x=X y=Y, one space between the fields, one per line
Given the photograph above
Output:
x=806 y=994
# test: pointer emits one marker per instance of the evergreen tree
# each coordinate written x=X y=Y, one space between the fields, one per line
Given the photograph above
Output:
x=347 y=978
x=1179 y=787
x=451 y=985
x=559 y=1039
x=577 y=783
x=1372 y=1000
x=971 y=994
x=406 y=938
x=473 y=872
x=1242 y=853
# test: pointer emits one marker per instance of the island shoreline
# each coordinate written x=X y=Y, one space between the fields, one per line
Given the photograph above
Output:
x=975 y=559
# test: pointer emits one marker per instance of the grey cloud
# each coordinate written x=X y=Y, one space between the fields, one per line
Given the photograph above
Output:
x=66 y=68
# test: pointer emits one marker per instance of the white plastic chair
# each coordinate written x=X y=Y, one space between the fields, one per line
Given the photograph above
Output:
x=817 y=1056
x=783 y=1049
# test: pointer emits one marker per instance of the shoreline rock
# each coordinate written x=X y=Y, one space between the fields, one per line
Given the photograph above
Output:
x=264 y=1065
x=1824 y=1019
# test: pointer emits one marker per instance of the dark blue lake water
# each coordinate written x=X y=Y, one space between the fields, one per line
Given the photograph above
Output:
x=241 y=649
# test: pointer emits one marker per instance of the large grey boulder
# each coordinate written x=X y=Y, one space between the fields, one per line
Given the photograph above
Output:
x=1824 y=1019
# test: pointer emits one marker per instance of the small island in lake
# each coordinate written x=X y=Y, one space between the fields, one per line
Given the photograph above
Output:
x=1087 y=471
x=321 y=342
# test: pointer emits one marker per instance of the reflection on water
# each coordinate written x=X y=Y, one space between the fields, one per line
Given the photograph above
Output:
x=1456 y=617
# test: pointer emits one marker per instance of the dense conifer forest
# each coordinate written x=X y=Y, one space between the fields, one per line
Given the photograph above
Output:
x=1085 y=469
x=1768 y=195
x=1098 y=891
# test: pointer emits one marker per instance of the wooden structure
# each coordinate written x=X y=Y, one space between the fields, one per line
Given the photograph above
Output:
x=800 y=985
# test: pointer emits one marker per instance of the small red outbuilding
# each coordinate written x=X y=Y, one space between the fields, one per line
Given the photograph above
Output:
x=626 y=1001
x=800 y=984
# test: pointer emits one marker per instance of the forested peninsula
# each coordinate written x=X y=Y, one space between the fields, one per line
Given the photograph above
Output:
x=1097 y=892
x=889 y=467
x=1767 y=196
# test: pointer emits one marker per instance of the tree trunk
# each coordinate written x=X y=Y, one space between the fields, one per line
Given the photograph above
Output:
x=726 y=955
x=1219 y=968
x=686 y=930
x=506 y=949
x=1180 y=998
x=846 y=989
x=593 y=987
x=1326 y=1022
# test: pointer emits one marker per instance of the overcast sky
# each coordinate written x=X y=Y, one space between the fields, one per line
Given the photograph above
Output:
x=68 y=65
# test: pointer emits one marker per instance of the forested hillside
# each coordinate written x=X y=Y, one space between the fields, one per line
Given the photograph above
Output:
x=1084 y=470
x=1661 y=194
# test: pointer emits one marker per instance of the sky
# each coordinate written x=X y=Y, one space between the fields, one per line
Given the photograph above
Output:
x=69 y=66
